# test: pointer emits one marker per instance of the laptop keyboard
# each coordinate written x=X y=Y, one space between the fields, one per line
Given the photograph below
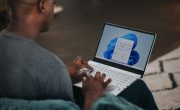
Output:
x=120 y=80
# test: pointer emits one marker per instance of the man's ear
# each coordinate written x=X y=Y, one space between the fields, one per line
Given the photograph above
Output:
x=41 y=6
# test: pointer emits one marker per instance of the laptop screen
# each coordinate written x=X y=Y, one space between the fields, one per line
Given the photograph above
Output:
x=128 y=47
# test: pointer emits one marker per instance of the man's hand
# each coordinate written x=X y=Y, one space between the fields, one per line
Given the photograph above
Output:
x=93 y=88
x=75 y=66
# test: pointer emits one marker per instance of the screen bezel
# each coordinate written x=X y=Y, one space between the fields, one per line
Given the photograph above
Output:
x=120 y=66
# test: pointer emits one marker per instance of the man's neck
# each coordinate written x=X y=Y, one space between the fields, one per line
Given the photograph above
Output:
x=24 y=29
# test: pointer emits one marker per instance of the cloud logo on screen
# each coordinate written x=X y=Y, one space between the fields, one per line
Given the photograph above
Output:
x=134 y=55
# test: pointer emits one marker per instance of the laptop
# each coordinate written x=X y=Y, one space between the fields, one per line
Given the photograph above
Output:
x=122 y=54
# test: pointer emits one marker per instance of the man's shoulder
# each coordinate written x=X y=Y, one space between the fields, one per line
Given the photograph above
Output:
x=25 y=50
x=12 y=41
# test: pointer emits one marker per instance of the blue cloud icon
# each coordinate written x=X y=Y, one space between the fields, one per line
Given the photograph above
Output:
x=134 y=56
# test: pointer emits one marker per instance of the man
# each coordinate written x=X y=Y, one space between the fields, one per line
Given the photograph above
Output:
x=29 y=71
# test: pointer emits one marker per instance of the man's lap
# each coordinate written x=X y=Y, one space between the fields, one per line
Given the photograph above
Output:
x=138 y=94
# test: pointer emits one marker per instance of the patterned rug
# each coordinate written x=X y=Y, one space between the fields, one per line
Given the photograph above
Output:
x=163 y=78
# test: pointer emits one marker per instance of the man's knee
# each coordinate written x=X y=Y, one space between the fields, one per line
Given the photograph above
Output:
x=138 y=88
x=142 y=88
x=139 y=94
x=146 y=96
x=141 y=84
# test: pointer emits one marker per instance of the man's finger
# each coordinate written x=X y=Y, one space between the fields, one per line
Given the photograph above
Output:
x=87 y=76
x=82 y=74
x=84 y=78
x=97 y=75
x=84 y=64
x=91 y=68
x=84 y=81
x=91 y=76
x=103 y=77
x=107 y=82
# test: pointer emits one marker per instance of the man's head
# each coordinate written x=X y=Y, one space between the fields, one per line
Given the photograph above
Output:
x=38 y=12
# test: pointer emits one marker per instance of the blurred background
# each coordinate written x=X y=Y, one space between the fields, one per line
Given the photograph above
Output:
x=77 y=29
x=77 y=26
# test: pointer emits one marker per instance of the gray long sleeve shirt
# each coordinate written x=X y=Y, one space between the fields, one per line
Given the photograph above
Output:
x=29 y=71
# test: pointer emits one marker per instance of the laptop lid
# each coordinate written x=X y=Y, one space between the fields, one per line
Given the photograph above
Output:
x=125 y=48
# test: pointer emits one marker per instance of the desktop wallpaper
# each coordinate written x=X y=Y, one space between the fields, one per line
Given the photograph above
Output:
x=140 y=49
